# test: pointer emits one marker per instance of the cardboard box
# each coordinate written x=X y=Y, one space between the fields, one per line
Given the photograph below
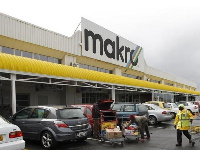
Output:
x=113 y=133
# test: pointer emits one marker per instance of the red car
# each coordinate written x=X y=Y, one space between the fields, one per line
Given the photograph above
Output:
x=107 y=114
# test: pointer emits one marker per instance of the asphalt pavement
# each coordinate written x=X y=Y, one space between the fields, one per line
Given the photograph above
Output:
x=163 y=137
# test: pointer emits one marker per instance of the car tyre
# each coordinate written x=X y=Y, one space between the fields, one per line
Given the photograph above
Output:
x=47 y=140
x=152 y=120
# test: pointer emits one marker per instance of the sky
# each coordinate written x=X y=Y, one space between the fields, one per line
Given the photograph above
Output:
x=168 y=30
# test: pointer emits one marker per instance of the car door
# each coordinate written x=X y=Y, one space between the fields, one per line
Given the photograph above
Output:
x=88 y=112
x=35 y=124
x=20 y=119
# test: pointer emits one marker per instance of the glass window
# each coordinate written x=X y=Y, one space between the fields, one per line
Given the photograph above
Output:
x=26 y=54
x=40 y=113
x=103 y=70
x=129 y=108
x=93 y=68
x=142 y=108
x=18 y=52
x=50 y=59
x=166 y=105
x=58 y=61
x=42 y=57
x=24 y=114
x=36 y=56
x=88 y=111
x=7 y=50
x=117 y=107
x=70 y=114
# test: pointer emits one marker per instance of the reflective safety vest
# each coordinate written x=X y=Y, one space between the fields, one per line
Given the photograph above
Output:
x=183 y=119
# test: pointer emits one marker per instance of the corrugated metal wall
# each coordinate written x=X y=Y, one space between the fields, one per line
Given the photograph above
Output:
x=23 y=31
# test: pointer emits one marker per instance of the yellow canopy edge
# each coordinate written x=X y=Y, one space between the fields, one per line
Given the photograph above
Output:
x=18 y=63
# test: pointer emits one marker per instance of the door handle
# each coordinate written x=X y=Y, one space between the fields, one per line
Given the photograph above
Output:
x=23 y=122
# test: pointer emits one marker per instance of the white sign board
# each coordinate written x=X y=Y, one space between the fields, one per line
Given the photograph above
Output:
x=104 y=45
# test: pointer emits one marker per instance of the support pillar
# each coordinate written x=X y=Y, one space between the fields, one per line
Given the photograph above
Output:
x=152 y=98
x=186 y=98
x=113 y=93
x=13 y=87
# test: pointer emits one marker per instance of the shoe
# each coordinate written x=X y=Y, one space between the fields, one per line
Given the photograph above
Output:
x=148 y=138
x=141 y=140
x=178 y=144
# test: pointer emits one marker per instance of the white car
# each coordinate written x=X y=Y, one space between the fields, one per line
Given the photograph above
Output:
x=189 y=106
x=11 y=137
x=174 y=109
x=158 y=114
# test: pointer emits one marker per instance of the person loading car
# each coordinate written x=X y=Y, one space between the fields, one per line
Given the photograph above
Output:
x=142 y=123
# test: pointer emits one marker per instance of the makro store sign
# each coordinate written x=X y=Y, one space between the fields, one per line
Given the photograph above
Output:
x=102 y=44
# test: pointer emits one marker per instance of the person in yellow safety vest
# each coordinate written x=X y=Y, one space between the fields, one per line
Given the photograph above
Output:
x=182 y=124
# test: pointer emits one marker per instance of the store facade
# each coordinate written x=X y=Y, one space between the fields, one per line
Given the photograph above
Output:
x=41 y=67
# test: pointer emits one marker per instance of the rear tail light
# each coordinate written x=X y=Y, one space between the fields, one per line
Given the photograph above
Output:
x=137 y=114
x=15 y=134
x=60 y=124
x=164 y=112
x=195 y=107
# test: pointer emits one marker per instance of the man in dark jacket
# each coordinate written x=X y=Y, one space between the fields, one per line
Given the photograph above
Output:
x=142 y=123
x=96 y=116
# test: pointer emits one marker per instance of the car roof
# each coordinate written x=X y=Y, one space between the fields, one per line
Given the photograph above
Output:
x=53 y=106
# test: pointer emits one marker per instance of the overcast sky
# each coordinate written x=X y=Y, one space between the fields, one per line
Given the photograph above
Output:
x=168 y=30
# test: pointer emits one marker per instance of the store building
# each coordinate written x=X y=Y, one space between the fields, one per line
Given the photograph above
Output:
x=41 y=67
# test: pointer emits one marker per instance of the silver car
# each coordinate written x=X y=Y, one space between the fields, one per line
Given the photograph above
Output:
x=158 y=114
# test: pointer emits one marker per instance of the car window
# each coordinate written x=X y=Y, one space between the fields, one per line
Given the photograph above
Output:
x=174 y=105
x=88 y=111
x=3 y=120
x=142 y=108
x=129 y=108
x=165 y=105
x=156 y=104
x=24 y=114
x=70 y=114
x=117 y=107
x=40 y=113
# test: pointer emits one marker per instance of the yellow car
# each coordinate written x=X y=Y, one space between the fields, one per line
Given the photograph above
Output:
x=160 y=104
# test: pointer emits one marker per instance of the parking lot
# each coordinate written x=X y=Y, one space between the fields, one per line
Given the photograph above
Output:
x=163 y=137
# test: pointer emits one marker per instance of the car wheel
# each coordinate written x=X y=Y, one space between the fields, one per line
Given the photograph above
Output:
x=47 y=140
x=152 y=120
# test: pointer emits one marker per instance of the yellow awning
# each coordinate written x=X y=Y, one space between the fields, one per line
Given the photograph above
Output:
x=18 y=63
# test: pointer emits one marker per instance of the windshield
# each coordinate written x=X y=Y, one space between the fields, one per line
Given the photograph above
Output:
x=3 y=120
x=70 y=114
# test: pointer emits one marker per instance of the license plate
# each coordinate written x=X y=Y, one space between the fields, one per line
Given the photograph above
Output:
x=81 y=134
x=1 y=138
